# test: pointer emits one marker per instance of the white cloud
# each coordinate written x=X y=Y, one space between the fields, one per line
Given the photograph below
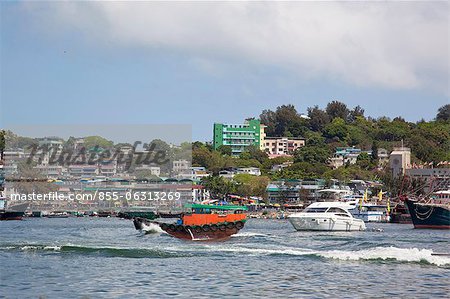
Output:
x=381 y=44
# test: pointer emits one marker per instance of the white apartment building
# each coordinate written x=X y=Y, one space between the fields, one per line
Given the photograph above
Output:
x=282 y=146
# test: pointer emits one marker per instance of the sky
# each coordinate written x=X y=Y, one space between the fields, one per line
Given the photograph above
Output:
x=196 y=63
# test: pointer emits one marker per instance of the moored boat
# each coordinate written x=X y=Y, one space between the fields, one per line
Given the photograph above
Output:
x=138 y=212
x=400 y=214
x=203 y=222
x=11 y=215
x=58 y=214
x=371 y=212
x=433 y=212
x=7 y=214
x=326 y=216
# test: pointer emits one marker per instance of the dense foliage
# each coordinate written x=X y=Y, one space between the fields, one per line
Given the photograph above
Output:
x=332 y=127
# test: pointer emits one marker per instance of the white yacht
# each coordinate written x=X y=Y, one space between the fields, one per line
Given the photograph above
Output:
x=327 y=216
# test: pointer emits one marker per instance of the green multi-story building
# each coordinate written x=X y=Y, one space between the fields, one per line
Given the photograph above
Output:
x=239 y=136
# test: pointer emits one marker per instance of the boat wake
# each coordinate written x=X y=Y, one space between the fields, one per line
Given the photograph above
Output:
x=98 y=251
x=248 y=234
x=390 y=254
x=375 y=254
x=384 y=254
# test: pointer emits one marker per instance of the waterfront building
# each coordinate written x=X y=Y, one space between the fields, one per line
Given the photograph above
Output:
x=230 y=173
x=249 y=170
x=180 y=166
x=108 y=169
x=434 y=178
x=282 y=146
x=239 y=136
x=346 y=155
x=383 y=157
x=154 y=170
x=284 y=191
x=51 y=171
x=78 y=171
x=11 y=158
x=279 y=167
x=400 y=160
x=194 y=174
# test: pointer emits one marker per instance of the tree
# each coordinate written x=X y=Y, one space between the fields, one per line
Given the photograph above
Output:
x=218 y=186
x=312 y=154
x=225 y=150
x=364 y=161
x=2 y=143
x=337 y=109
x=375 y=151
x=355 y=113
x=318 y=118
x=285 y=121
x=253 y=152
x=145 y=174
x=93 y=141
x=251 y=185
x=269 y=119
x=336 y=129
x=443 y=113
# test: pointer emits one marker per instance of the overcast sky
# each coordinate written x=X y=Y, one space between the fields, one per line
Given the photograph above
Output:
x=199 y=63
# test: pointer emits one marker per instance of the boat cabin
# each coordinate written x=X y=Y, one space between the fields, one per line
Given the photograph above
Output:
x=207 y=214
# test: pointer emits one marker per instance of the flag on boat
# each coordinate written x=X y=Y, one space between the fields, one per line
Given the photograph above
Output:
x=365 y=197
x=380 y=195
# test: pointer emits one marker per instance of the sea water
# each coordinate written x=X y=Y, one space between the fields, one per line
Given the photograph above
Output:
x=108 y=258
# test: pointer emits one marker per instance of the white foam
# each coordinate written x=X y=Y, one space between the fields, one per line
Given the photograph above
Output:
x=384 y=253
x=258 y=251
x=40 y=247
x=55 y=248
x=249 y=234
x=152 y=228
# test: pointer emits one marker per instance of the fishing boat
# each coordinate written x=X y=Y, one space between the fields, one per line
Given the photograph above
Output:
x=400 y=214
x=202 y=222
x=138 y=212
x=433 y=212
x=8 y=214
x=326 y=216
x=371 y=212
x=58 y=214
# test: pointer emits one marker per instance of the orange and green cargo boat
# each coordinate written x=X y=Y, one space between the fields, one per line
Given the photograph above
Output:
x=203 y=222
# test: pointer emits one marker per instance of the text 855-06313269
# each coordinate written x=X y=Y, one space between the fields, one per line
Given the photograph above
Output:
x=139 y=196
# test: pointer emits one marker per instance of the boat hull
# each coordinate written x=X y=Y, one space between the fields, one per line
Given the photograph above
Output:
x=11 y=215
x=326 y=224
x=400 y=218
x=220 y=231
x=190 y=234
x=428 y=216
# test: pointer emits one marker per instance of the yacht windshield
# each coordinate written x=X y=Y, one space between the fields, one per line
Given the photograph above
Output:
x=315 y=210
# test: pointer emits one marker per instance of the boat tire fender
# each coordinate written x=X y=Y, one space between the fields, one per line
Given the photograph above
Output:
x=239 y=224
